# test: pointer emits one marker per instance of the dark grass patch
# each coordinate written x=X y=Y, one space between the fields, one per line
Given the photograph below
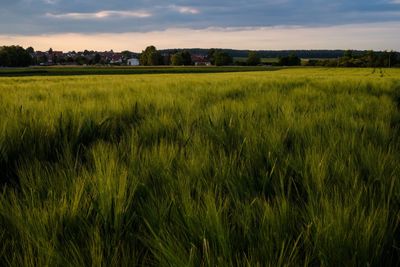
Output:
x=65 y=71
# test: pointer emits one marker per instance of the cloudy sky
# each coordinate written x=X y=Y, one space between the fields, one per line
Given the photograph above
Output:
x=250 y=24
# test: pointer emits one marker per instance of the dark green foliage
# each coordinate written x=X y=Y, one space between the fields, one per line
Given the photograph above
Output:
x=127 y=54
x=314 y=54
x=181 y=58
x=81 y=60
x=150 y=57
x=366 y=59
x=97 y=59
x=218 y=57
x=30 y=50
x=348 y=54
x=222 y=58
x=291 y=60
x=210 y=55
x=14 y=56
x=253 y=59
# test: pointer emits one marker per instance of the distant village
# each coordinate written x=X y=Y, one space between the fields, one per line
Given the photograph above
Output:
x=124 y=58
x=50 y=57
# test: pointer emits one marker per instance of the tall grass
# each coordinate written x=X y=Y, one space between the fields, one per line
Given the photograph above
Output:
x=297 y=167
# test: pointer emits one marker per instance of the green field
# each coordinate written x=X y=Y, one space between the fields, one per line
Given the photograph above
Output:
x=293 y=167
x=116 y=70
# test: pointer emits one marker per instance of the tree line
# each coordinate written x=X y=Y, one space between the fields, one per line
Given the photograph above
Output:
x=16 y=56
x=152 y=57
x=369 y=59
x=314 y=54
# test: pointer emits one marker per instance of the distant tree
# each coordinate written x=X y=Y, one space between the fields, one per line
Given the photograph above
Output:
x=291 y=60
x=253 y=58
x=177 y=59
x=70 y=60
x=62 y=60
x=50 y=51
x=54 y=58
x=283 y=61
x=187 y=58
x=370 y=58
x=211 y=55
x=239 y=62
x=392 y=58
x=294 y=60
x=222 y=58
x=127 y=54
x=150 y=57
x=181 y=58
x=166 y=59
x=30 y=50
x=154 y=59
x=81 y=60
x=348 y=54
x=97 y=58
x=14 y=56
x=143 y=57
x=396 y=62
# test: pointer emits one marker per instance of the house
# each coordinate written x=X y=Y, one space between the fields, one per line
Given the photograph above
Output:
x=199 y=60
x=133 y=62
x=116 y=58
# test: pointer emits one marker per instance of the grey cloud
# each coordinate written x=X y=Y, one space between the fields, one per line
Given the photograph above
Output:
x=105 y=14
x=90 y=16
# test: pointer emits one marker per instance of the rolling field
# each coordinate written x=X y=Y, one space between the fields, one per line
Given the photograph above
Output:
x=121 y=70
x=293 y=167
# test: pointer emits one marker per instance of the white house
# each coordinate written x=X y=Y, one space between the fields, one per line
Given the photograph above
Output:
x=133 y=62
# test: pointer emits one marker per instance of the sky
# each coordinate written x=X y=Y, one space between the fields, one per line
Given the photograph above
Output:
x=251 y=24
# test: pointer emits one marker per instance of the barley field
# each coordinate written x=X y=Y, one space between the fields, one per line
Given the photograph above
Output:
x=292 y=167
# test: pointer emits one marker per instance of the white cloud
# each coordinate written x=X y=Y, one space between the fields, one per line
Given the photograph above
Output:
x=101 y=15
x=376 y=36
x=185 y=9
x=50 y=2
